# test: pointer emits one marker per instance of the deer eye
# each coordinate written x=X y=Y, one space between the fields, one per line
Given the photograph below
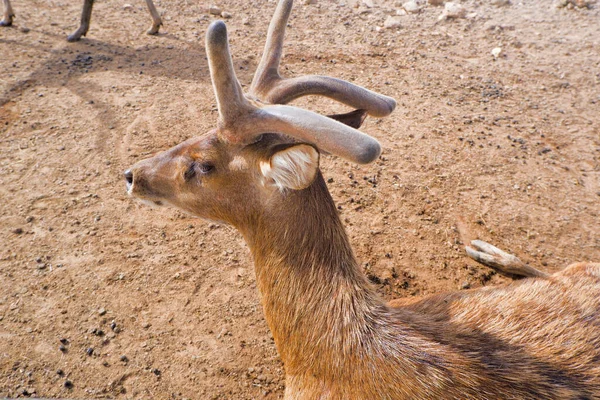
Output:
x=197 y=168
x=205 y=168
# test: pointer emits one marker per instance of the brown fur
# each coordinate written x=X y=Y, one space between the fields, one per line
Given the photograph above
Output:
x=533 y=339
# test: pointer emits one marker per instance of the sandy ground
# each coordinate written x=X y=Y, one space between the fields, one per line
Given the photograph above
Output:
x=101 y=297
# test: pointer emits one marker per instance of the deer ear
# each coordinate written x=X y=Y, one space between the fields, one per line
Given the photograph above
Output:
x=292 y=167
x=353 y=119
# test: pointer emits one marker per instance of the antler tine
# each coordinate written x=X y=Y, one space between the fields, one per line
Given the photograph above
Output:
x=231 y=101
x=286 y=90
x=268 y=85
x=268 y=68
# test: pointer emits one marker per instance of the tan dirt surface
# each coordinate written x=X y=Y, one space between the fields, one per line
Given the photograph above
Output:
x=505 y=149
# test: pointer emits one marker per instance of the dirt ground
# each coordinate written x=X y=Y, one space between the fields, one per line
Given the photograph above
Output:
x=101 y=297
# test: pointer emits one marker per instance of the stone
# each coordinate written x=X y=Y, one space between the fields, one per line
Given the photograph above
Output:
x=411 y=7
x=392 y=22
x=453 y=10
x=214 y=10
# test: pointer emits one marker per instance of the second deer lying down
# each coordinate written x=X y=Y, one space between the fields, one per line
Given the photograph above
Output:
x=538 y=338
x=86 y=15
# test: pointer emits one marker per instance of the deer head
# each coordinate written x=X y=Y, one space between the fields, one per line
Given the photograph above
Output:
x=260 y=146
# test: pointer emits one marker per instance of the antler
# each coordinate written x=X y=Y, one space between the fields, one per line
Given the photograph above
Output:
x=241 y=120
x=269 y=86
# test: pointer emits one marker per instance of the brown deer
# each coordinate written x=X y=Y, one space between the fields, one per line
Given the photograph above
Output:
x=537 y=338
x=86 y=15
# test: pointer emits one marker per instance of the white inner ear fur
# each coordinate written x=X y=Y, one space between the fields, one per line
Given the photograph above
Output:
x=292 y=168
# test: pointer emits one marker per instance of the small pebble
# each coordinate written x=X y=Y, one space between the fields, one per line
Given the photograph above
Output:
x=68 y=384
x=496 y=52
x=411 y=7
x=226 y=15
x=101 y=311
x=89 y=351
x=214 y=10
x=392 y=22
x=124 y=358
x=453 y=10
x=18 y=231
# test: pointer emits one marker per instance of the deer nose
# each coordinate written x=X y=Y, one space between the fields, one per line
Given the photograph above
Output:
x=129 y=178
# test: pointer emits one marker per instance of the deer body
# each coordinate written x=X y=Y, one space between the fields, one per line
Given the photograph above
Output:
x=338 y=340
x=86 y=15
x=259 y=171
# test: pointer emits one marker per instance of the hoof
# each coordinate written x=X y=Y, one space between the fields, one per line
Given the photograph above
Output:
x=75 y=36
x=153 y=30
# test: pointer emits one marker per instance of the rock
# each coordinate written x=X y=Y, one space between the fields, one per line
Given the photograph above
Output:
x=309 y=2
x=246 y=21
x=101 y=311
x=369 y=3
x=214 y=10
x=411 y=7
x=226 y=15
x=500 y=3
x=436 y=2
x=127 y=7
x=582 y=3
x=573 y=3
x=401 y=12
x=392 y=22
x=496 y=52
x=68 y=384
x=453 y=10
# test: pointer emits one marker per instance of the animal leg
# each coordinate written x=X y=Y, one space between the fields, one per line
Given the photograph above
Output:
x=156 y=21
x=7 y=20
x=507 y=264
x=86 y=15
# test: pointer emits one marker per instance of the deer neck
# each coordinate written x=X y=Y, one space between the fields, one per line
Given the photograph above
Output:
x=317 y=302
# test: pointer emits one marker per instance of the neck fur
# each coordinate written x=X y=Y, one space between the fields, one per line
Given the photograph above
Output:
x=318 y=304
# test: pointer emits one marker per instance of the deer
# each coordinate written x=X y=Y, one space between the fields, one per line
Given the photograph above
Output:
x=258 y=171
x=86 y=15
